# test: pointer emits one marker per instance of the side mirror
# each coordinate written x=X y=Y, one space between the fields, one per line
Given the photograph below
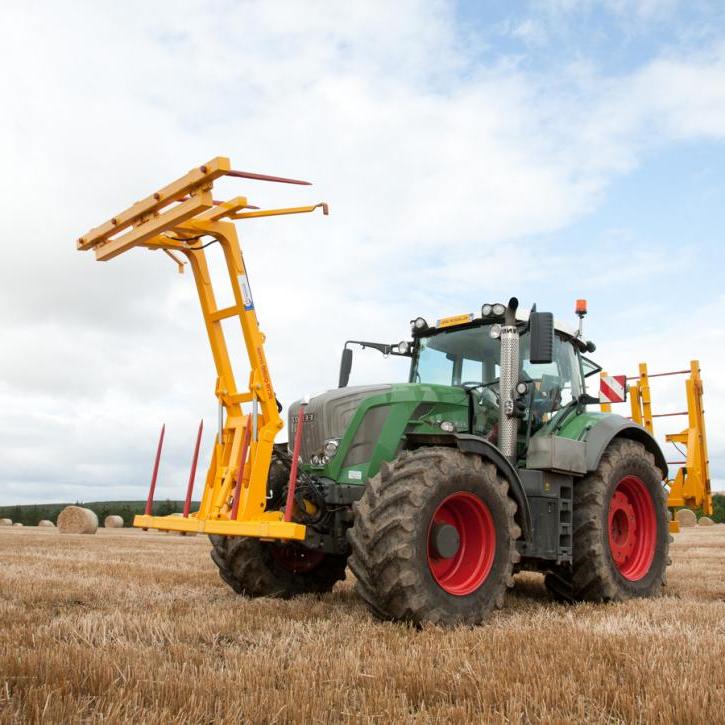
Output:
x=345 y=367
x=541 y=337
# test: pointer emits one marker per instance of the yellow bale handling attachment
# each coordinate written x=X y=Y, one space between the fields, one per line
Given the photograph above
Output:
x=174 y=220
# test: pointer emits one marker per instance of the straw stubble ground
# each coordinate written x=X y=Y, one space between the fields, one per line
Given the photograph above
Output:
x=127 y=626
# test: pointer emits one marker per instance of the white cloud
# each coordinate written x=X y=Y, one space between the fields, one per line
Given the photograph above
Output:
x=431 y=159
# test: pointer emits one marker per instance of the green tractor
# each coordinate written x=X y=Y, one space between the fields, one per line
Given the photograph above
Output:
x=436 y=491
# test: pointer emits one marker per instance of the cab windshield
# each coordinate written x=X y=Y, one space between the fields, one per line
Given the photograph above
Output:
x=471 y=357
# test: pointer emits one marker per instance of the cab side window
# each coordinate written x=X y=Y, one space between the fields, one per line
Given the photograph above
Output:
x=556 y=383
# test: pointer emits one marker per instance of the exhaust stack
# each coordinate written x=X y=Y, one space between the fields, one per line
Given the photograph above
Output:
x=508 y=423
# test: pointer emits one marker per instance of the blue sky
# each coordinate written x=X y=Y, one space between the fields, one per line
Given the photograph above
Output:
x=551 y=150
x=616 y=35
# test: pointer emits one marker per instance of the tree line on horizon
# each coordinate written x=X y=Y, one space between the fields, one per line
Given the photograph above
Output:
x=31 y=514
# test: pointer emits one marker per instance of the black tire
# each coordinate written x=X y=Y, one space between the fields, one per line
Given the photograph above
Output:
x=257 y=568
x=264 y=569
x=390 y=537
x=595 y=576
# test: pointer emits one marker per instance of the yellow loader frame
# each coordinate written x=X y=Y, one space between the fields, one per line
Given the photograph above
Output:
x=173 y=220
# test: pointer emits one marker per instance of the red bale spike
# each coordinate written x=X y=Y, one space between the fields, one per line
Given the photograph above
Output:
x=154 y=475
x=266 y=177
x=240 y=469
x=192 y=473
x=295 y=462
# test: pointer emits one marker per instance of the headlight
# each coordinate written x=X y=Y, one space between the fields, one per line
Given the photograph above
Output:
x=521 y=387
x=448 y=426
x=499 y=309
x=403 y=348
x=330 y=447
x=419 y=324
x=486 y=310
x=495 y=331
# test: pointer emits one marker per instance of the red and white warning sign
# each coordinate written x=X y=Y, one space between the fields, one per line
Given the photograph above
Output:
x=613 y=389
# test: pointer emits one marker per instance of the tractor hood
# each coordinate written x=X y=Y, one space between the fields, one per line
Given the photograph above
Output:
x=369 y=424
x=328 y=415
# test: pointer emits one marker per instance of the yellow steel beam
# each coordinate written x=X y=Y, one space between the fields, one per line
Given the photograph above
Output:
x=197 y=177
x=645 y=398
x=259 y=528
x=635 y=402
x=154 y=226
x=279 y=212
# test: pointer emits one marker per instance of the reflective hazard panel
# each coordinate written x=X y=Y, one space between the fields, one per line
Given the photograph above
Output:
x=613 y=389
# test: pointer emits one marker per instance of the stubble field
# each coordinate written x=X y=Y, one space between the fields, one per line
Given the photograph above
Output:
x=133 y=626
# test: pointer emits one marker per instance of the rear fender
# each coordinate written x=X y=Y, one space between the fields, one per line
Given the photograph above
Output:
x=615 y=426
x=479 y=446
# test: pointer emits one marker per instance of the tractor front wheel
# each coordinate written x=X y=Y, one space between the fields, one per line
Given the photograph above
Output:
x=434 y=538
x=264 y=569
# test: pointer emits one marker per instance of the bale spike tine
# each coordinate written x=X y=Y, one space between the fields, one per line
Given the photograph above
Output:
x=240 y=469
x=154 y=475
x=192 y=473
x=267 y=177
x=295 y=461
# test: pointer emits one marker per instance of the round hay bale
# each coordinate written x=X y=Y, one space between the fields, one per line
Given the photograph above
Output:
x=77 y=520
x=705 y=521
x=686 y=517
x=47 y=524
x=6 y=522
x=18 y=524
x=113 y=522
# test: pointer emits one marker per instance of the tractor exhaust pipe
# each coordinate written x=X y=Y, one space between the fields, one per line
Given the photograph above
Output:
x=508 y=423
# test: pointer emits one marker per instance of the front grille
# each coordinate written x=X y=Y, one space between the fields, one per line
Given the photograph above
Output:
x=327 y=416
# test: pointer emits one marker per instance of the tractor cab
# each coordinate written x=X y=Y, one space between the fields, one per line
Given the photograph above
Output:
x=543 y=379
x=469 y=356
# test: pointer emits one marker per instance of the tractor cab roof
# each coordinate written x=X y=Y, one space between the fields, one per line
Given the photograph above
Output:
x=522 y=316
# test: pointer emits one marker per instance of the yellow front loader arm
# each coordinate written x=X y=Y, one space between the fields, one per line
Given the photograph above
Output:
x=176 y=219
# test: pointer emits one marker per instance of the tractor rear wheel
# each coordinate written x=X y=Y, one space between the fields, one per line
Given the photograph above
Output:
x=434 y=538
x=621 y=535
x=263 y=569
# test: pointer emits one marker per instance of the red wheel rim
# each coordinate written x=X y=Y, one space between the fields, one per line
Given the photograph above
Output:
x=467 y=569
x=632 y=528
x=296 y=559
